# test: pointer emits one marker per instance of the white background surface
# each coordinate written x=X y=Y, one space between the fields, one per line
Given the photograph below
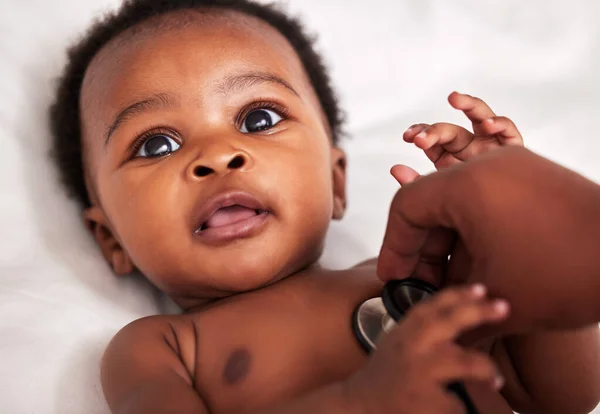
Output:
x=394 y=62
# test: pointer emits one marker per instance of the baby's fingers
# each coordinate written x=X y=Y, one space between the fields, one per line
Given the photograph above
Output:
x=474 y=108
x=464 y=317
x=504 y=129
x=452 y=137
x=454 y=311
x=452 y=363
x=413 y=131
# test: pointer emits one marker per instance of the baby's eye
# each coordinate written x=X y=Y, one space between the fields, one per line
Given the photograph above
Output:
x=157 y=146
x=259 y=120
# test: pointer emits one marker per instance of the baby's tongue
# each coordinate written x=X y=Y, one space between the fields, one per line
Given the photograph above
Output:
x=229 y=215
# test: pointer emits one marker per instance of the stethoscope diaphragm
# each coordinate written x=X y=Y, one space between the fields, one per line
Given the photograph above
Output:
x=375 y=317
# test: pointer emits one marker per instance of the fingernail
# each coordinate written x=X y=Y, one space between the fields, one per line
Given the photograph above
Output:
x=498 y=382
x=410 y=128
x=421 y=135
x=501 y=306
x=489 y=121
x=478 y=290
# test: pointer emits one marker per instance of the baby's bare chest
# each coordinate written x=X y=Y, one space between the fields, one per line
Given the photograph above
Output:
x=267 y=348
x=261 y=350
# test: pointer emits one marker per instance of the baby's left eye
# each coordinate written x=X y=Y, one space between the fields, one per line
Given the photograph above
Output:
x=260 y=120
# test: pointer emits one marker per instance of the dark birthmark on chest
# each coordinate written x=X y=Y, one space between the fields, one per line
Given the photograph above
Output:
x=237 y=366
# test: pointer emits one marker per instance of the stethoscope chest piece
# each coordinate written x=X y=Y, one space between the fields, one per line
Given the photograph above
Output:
x=369 y=323
x=375 y=317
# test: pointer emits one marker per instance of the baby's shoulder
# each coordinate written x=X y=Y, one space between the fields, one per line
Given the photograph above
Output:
x=163 y=326
x=160 y=336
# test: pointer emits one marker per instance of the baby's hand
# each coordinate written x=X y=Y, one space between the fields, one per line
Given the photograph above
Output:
x=448 y=144
x=413 y=365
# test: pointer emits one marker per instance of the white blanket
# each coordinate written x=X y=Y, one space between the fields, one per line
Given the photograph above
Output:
x=394 y=62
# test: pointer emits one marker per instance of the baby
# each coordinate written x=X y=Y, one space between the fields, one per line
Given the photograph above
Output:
x=202 y=139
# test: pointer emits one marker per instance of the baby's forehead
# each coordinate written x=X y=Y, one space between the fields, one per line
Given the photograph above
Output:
x=224 y=36
x=225 y=22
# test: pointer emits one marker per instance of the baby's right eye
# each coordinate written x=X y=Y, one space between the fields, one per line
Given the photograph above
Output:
x=157 y=146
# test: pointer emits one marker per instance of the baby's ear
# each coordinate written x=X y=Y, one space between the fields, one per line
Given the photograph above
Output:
x=338 y=164
x=97 y=223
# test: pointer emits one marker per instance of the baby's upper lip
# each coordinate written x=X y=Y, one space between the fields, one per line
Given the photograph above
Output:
x=226 y=199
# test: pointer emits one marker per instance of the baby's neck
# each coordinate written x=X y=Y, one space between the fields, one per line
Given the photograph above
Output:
x=192 y=305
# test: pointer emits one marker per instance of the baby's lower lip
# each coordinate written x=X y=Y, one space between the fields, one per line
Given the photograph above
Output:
x=238 y=230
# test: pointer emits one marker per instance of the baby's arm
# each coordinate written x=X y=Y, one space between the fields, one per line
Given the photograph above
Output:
x=148 y=368
x=142 y=373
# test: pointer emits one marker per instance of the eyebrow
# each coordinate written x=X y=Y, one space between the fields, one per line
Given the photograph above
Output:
x=238 y=82
x=153 y=102
x=228 y=85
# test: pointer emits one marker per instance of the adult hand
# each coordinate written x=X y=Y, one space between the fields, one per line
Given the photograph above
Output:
x=527 y=228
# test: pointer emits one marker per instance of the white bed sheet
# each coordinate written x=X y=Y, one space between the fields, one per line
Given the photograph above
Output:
x=393 y=62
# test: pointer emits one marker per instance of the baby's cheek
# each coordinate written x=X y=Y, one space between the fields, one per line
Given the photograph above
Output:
x=314 y=203
x=149 y=215
x=311 y=186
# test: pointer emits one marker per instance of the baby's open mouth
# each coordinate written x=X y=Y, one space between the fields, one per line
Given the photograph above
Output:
x=229 y=215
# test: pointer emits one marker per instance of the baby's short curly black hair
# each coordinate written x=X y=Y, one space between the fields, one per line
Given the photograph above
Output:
x=65 y=119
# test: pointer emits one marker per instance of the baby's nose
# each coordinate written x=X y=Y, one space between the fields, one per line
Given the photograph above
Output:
x=221 y=163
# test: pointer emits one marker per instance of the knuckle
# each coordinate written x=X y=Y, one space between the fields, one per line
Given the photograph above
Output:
x=478 y=101
x=443 y=127
x=508 y=121
x=504 y=121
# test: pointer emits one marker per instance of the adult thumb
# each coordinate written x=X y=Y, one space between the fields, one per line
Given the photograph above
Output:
x=404 y=174
x=417 y=208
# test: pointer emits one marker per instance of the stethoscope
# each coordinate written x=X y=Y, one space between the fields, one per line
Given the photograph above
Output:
x=375 y=317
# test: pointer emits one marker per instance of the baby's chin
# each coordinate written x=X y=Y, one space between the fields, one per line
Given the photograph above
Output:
x=208 y=295
x=197 y=292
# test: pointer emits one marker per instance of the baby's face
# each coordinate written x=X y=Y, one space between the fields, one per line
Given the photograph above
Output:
x=207 y=157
